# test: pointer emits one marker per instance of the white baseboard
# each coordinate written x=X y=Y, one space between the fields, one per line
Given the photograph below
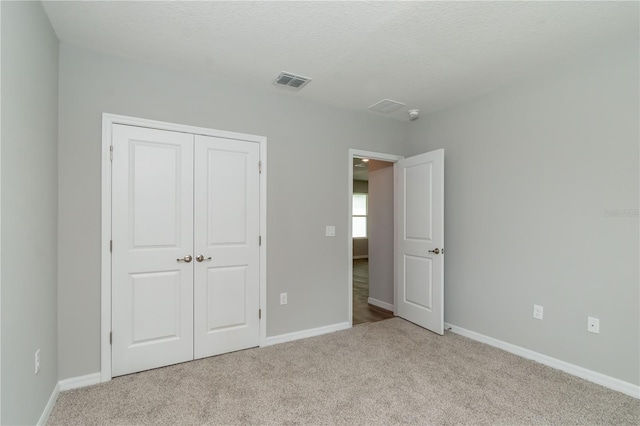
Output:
x=380 y=304
x=592 y=376
x=364 y=256
x=63 y=385
x=79 y=382
x=49 y=407
x=289 y=337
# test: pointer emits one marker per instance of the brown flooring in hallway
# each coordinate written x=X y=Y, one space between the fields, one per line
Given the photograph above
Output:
x=363 y=312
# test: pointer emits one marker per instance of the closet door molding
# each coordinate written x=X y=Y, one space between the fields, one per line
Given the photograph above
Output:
x=108 y=122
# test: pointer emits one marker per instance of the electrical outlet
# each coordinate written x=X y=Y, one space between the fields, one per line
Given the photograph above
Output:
x=37 y=359
x=593 y=325
x=538 y=311
x=330 y=231
x=283 y=298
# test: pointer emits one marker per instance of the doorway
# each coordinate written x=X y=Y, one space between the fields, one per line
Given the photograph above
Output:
x=371 y=237
x=414 y=253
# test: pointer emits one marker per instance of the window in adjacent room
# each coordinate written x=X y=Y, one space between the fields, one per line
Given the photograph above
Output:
x=359 y=214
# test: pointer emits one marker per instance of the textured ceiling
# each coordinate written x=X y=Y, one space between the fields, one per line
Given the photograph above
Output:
x=424 y=54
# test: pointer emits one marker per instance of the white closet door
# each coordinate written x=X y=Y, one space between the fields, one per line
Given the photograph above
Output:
x=152 y=292
x=227 y=222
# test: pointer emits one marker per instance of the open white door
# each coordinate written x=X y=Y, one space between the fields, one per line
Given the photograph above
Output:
x=419 y=234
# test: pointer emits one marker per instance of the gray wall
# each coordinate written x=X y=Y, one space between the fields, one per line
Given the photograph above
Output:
x=29 y=210
x=314 y=278
x=381 y=231
x=361 y=245
x=360 y=248
x=529 y=174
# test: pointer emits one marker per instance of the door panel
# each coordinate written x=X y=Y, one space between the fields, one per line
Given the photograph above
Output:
x=226 y=297
x=227 y=198
x=152 y=293
x=155 y=306
x=154 y=196
x=418 y=180
x=417 y=269
x=420 y=239
x=226 y=286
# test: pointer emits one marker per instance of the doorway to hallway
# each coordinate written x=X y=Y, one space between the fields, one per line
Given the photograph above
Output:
x=371 y=233
x=412 y=259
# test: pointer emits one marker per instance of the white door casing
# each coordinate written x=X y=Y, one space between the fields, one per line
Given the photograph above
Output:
x=152 y=227
x=226 y=291
x=419 y=245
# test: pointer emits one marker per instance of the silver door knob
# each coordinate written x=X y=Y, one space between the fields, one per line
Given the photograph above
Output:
x=187 y=259
x=200 y=258
x=436 y=251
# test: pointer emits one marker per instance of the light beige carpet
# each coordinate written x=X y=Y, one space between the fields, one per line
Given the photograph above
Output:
x=389 y=372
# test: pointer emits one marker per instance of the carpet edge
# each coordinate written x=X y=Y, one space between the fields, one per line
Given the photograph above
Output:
x=303 y=334
x=575 y=370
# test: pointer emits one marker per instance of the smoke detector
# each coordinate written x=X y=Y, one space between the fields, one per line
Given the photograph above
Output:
x=291 y=80
x=414 y=114
x=386 y=105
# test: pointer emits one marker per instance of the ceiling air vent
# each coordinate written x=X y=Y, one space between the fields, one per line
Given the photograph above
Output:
x=291 y=80
x=386 y=105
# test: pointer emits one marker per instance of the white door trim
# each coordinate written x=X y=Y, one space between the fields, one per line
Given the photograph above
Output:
x=357 y=153
x=108 y=120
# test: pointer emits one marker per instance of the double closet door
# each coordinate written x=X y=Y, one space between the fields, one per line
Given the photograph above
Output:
x=185 y=256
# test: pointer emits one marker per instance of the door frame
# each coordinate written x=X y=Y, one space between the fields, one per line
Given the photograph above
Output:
x=358 y=153
x=108 y=120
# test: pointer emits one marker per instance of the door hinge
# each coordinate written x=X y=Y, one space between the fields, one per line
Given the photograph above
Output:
x=111 y=152
x=259 y=240
x=110 y=337
x=259 y=313
x=110 y=246
x=259 y=166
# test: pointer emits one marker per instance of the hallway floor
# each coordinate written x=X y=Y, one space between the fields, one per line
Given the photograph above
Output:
x=363 y=312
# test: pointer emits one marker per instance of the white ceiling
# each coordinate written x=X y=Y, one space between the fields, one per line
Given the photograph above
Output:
x=424 y=54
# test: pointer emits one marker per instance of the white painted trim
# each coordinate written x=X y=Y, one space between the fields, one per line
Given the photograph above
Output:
x=105 y=254
x=49 y=407
x=108 y=120
x=364 y=256
x=80 y=381
x=1 y=144
x=64 y=385
x=590 y=375
x=357 y=153
x=263 y=247
x=296 y=335
x=174 y=127
x=380 y=304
